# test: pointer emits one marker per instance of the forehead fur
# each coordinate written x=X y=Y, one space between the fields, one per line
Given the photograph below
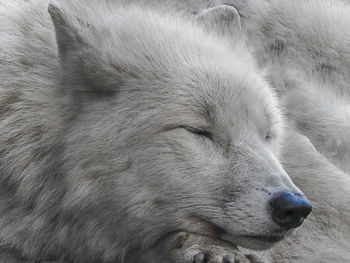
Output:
x=174 y=61
x=142 y=39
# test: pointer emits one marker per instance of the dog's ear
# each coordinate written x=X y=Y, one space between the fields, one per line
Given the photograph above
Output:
x=85 y=68
x=67 y=35
x=223 y=19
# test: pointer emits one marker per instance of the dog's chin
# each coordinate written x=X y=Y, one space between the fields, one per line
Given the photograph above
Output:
x=254 y=242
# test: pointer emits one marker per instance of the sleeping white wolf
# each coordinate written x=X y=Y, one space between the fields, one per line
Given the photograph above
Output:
x=303 y=47
x=120 y=127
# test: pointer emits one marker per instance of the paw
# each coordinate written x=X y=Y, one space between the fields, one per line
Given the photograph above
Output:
x=185 y=247
x=190 y=248
x=211 y=254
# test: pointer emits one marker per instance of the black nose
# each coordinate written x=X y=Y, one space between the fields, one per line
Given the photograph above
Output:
x=289 y=209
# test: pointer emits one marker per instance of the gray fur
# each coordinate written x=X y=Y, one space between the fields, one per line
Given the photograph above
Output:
x=303 y=47
x=97 y=161
x=306 y=57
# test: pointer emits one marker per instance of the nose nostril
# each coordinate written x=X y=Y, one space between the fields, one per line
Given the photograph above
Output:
x=284 y=214
x=289 y=213
x=289 y=210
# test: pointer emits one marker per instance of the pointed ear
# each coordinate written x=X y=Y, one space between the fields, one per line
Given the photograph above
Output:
x=84 y=69
x=223 y=19
x=67 y=36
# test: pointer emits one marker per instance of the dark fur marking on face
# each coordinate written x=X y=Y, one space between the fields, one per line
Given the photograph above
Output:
x=325 y=68
x=10 y=99
x=159 y=203
x=263 y=190
x=278 y=46
x=25 y=63
x=206 y=227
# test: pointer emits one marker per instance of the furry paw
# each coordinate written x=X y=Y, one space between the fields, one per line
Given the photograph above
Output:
x=211 y=254
x=185 y=247
x=191 y=248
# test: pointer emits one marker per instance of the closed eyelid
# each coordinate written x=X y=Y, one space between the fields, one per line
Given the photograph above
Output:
x=198 y=131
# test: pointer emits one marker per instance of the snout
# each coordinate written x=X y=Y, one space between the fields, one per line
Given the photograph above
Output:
x=289 y=209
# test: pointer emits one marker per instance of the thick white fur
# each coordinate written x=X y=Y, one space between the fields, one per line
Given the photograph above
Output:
x=98 y=161
x=304 y=48
x=304 y=45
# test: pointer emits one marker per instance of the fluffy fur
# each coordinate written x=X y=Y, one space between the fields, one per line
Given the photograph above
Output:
x=303 y=48
x=120 y=125
x=306 y=57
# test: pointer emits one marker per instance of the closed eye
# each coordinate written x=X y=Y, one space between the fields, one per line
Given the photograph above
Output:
x=269 y=137
x=197 y=131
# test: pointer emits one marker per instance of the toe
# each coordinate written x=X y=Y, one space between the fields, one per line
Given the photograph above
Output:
x=199 y=258
x=228 y=259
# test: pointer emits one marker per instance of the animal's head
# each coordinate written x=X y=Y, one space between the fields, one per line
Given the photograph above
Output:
x=171 y=130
